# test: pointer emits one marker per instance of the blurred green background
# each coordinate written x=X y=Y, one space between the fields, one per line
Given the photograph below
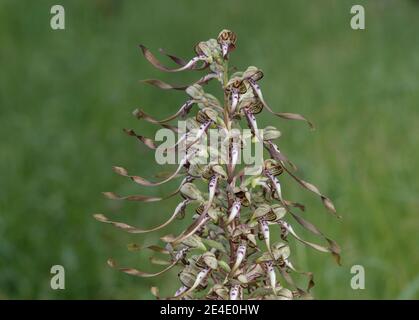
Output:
x=66 y=95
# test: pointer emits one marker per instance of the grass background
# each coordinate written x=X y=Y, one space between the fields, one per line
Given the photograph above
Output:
x=66 y=95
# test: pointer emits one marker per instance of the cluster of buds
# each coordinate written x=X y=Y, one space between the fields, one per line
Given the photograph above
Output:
x=227 y=251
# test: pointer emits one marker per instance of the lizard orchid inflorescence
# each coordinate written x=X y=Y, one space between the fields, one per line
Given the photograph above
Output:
x=227 y=252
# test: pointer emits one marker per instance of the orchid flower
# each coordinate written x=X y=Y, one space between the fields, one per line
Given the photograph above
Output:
x=272 y=275
x=180 y=291
x=234 y=101
x=234 y=292
x=218 y=253
x=234 y=211
x=202 y=130
x=266 y=234
x=234 y=154
x=199 y=278
x=251 y=120
x=227 y=41
x=240 y=255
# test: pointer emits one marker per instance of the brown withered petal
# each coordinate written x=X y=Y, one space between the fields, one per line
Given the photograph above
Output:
x=295 y=204
x=333 y=246
x=137 y=179
x=284 y=115
x=138 y=273
x=277 y=155
x=331 y=249
x=131 y=229
x=157 y=249
x=311 y=187
x=291 y=116
x=147 y=141
x=143 y=198
x=309 y=275
x=164 y=85
x=290 y=281
x=156 y=63
x=160 y=262
x=138 y=197
x=182 y=62
x=140 y=114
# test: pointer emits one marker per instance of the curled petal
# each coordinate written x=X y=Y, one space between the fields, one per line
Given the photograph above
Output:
x=182 y=62
x=325 y=200
x=156 y=63
x=335 y=251
x=147 y=141
x=163 y=85
x=278 y=155
x=123 y=172
x=290 y=281
x=311 y=187
x=158 y=249
x=284 y=115
x=290 y=116
x=251 y=120
x=138 y=197
x=142 y=198
x=333 y=246
x=166 y=86
x=160 y=262
x=184 y=109
x=309 y=275
x=138 y=273
x=131 y=229
x=295 y=204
